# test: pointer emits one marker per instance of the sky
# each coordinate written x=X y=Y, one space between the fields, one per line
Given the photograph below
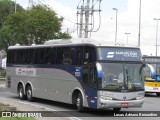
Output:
x=127 y=20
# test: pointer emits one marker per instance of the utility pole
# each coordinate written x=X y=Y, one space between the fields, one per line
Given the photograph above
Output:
x=81 y=22
x=15 y=7
x=116 y=25
x=85 y=12
x=87 y=18
x=139 y=33
x=157 y=19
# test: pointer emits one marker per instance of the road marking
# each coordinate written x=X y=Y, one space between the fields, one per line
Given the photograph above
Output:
x=46 y=108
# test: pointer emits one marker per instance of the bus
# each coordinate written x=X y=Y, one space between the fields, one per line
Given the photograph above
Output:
x=152 y=74
x=82 y=72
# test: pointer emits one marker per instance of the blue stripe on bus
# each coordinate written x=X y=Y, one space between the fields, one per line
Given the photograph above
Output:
x=99 y=70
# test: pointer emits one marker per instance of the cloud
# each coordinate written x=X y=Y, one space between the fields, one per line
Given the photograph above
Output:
x=128 y=21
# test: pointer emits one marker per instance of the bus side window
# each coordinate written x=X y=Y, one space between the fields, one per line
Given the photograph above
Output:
x=39 y=56
x=20 y=56
x=89 y=55
x=93 y=77
x=64 y=56
x=9 y=56
x=59 y=58
x=50 y=55
x=76 y=55
x=30 y=56
x=14 y=56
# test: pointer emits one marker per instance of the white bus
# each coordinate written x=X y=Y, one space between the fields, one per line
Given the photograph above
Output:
x=77 y=71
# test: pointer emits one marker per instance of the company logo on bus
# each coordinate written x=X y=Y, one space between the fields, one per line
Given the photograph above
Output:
x=110 y=54
x=25 y=71
x=124 y=98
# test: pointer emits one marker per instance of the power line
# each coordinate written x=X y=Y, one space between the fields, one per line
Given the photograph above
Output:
x=64 y=17
x=57 y=12
x=85 y=16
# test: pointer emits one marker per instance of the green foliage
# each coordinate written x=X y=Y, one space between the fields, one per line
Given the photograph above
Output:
x=25 y=27
x=6 y=8
x=43 y=24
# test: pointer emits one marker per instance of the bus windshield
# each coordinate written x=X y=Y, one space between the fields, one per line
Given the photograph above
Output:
x=121 y=77
x=152 y=72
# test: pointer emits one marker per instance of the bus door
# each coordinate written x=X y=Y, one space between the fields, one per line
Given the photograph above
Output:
x=90 y=84
x=90 y=77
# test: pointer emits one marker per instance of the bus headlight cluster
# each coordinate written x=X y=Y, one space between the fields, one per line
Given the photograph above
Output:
x=106 y=98
x=141 y=97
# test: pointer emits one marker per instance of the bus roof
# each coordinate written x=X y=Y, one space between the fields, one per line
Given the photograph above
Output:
x=76 y=41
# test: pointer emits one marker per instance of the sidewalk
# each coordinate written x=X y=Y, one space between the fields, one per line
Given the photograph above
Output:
x=22 y=106
x=2 y=83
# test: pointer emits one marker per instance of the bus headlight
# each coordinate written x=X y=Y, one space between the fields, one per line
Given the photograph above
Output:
x=106 y=98
x=141 y=97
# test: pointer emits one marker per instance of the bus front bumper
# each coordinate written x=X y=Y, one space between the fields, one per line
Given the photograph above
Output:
x=153 y=89
x=102 y=104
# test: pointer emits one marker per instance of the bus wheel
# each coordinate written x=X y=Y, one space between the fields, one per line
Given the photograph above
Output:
x=29 y=94
x=158 y=94
x=79 y=102
x=21 y=92
x=116 y=109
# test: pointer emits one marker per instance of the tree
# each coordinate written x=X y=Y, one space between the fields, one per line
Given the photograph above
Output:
x=44 y=24
x=35 y=25
x=7 y=7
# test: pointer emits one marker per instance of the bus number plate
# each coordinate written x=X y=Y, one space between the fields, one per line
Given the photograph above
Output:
x=155 y=88
x=124 y=104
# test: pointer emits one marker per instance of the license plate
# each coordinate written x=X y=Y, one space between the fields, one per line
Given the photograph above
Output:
x=155 y=88
x=124 y=104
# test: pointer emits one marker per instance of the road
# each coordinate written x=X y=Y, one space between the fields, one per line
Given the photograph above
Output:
x=152 y=103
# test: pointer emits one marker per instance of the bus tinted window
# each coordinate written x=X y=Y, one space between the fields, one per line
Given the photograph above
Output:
x=9 y=56
x=29 y=56
x=50 y=55
x=76 y=55
x=64 y=56
x=20 y=57
x=14 y=56
x=39 y=56
x=89 y=54
x=69 y=55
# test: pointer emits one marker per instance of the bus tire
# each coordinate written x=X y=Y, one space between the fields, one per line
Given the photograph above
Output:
x=79 y=102
x=21 y=92
x=116 y=109
x=29 y=93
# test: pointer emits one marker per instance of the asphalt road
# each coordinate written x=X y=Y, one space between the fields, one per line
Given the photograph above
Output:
x=152 y=103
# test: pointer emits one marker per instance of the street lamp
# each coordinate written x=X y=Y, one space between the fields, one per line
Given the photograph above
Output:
x=127 y=36
x=116 y=24
x=15 y=7
x=157 y=19
x=139 y=33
